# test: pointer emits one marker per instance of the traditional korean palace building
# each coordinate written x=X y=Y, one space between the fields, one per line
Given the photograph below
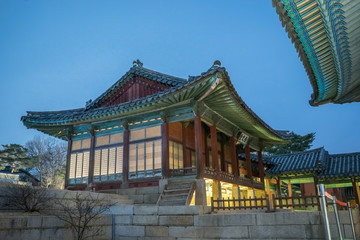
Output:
x=149 y=127
x=326 y=34
x=339 y=172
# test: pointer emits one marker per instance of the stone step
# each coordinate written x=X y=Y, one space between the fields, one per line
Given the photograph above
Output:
x=178 y=186
x=176 y=191
x=182 y=196
x=172 y=202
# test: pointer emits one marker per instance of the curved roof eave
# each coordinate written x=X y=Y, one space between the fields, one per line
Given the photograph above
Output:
x=192 y=89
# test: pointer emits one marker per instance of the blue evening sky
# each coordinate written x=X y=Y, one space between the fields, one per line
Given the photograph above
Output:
x=56 y=55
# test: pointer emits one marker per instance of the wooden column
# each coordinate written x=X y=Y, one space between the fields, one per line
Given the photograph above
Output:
x=267 y=183
x=289 y=188
x=290 y=193
x=222 y=157
x=68 y=158
x=91 y=158
x=248 y=162
x=278 y=186
x=234 y=158
x=165 y=149
x=216 y=189
x=200 y=163
x=316 y=182
x=214 y=148
x=126 y=150
x=261 y=166
x=186 y=157
x=356 y=191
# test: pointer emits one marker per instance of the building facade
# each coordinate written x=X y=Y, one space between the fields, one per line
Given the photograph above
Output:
x=150 y=126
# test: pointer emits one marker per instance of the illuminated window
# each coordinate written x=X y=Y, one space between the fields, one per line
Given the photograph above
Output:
x=176 y=158
x=79 y=167
x=145 y=159
x=143 y=133
x=108 y=164
x=145 y=152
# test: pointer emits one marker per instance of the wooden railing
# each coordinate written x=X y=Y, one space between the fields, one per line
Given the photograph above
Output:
x=298 y=202
x=311 y=203
x=244 y=203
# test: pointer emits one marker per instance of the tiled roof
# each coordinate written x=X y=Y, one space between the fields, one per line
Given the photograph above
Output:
x=222 y=98
x=299 y=163
x=326 y=34
x=342 y=165
x=316 y=162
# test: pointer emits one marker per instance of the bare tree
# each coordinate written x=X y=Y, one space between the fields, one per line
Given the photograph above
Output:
x=51 y=158
x=81 y=212
x=25 y=198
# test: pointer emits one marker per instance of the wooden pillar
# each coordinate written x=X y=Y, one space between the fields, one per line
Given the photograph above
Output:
x=278 y=186
x=186 y=157
x=214 y=148
x=234 y=157
x=68 y=158
x=91 y=158
x=267 y=190
x=248 y=162
x=126 y=150
x=165 y=149
x=289 y=188
x=290 y=193
x=222 y=157
x=199 y=146
x=316 y=182
x=216 y=189
x=261 y=166
x=356 y=191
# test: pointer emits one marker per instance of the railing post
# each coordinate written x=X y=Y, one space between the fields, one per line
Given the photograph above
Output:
x=324 y=212
x=274 y=202
x=337 y=217
x=351 y=221
x=212 y=204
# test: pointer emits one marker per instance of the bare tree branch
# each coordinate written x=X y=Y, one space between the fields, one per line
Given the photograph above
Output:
x=81 y=211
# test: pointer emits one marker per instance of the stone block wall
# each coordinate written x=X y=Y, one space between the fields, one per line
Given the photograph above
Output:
x=141 y=195
x=183 y=222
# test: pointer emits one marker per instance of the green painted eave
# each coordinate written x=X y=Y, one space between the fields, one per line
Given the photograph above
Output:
x=197 y=91
x=326 y=34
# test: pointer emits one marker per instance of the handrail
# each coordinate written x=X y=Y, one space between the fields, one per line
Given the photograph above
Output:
x=190 y=194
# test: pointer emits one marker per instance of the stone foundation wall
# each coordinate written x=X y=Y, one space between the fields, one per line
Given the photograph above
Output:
x=141 y=195
x=181 y=222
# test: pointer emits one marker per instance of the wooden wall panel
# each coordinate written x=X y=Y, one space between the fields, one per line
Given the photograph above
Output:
x=175 y=131
x=190 y=137
x=134 y=88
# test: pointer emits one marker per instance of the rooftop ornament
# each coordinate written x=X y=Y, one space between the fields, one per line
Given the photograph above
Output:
x=137 y=63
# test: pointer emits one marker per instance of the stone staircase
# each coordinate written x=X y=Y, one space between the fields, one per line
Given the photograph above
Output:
x=178 y=191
